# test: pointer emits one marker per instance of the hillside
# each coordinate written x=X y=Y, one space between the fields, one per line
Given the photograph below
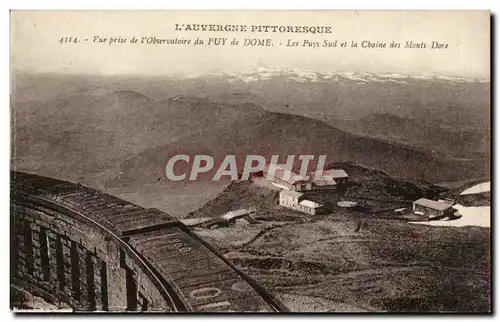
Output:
x=284 y=134
x=237 y=195
x=382 y=266
x=450 y=115
x=349 y=258
x=116 y=133
x=453 y=141
x=330 y=96
x=430 y=99
x=89 y=135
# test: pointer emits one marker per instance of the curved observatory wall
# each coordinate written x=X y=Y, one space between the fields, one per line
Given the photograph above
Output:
x=96 y=252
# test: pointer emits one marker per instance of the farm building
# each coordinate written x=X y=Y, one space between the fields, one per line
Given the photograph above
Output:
x=433 y=209
x=287 y=179
x=295 y=200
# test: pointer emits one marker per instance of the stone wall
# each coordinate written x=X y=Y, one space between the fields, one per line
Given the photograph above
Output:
x=58 y=257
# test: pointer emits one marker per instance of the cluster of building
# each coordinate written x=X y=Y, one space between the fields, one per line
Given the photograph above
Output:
x=296 y=200
x=294 y=186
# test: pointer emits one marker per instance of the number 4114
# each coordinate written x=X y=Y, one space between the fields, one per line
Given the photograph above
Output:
x=65 y=40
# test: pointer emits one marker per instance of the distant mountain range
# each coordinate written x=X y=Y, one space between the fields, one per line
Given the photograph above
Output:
x=284 y=134
x=302 y=76
x=119 y=131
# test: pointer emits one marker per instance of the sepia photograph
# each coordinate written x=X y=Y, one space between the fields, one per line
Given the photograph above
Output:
x=250 y=161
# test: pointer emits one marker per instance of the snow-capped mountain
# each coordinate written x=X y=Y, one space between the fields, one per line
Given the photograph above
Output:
x=303 y=76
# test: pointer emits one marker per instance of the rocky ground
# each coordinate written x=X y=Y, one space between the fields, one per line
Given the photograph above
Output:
x=352 y=260
x=363 y=264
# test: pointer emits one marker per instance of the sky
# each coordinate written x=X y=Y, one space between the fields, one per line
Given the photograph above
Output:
x=36 y=46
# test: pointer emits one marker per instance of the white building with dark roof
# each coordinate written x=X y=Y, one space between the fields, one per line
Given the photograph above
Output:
x=296 y=200
x=433 y=209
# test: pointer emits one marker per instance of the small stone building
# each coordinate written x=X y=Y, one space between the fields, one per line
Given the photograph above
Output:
x=296 y=200
x=433 y=209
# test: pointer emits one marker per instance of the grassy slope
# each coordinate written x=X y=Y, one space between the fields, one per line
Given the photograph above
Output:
x=274 y=133
x=386 y=264
x=382 y=265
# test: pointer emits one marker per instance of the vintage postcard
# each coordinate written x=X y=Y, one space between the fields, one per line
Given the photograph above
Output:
x=250 y=161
